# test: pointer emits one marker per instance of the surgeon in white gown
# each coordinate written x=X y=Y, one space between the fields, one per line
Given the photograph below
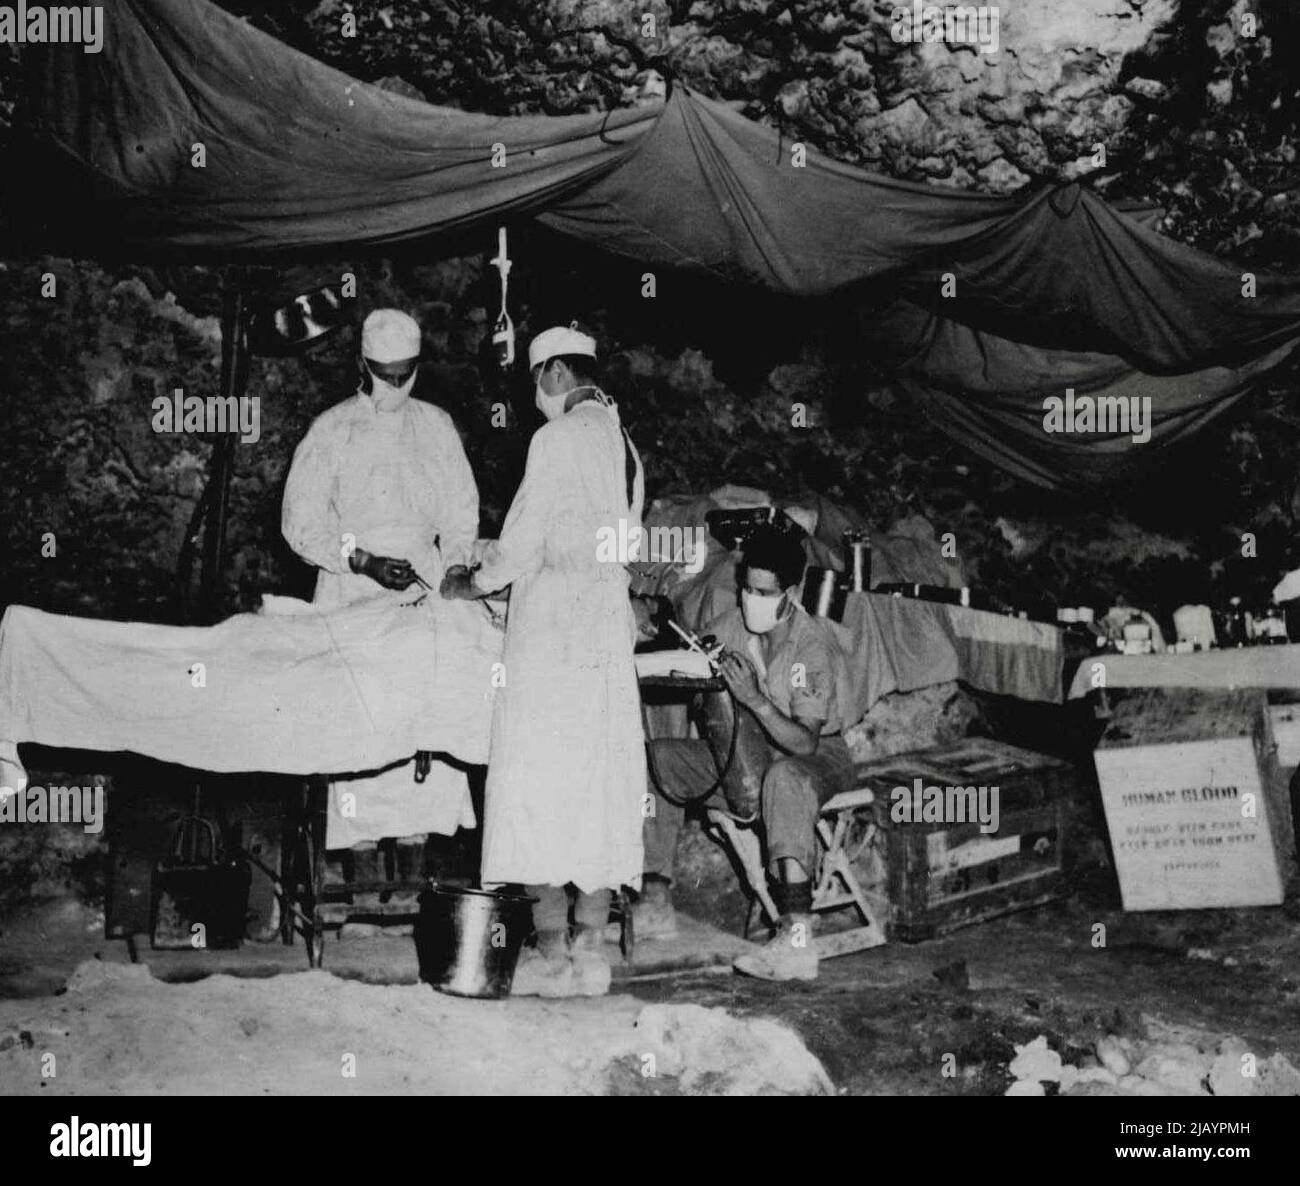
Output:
x=566 y=775
x=379 y=492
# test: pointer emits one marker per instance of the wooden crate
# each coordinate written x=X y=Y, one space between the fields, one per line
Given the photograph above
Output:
x=943 y=874
x=1179 y=770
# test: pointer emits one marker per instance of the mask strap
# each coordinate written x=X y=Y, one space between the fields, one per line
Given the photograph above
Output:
x=600 y=395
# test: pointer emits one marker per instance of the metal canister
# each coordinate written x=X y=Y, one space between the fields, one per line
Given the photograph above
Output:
x=859 y=549
x=823 y=595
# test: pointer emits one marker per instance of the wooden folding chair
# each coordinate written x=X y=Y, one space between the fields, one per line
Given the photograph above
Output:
x=834 y=825
x=836 y=884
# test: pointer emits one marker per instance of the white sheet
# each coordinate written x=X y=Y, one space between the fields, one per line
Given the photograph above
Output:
x=287 y=690
x=678 y=662
x=392 y=803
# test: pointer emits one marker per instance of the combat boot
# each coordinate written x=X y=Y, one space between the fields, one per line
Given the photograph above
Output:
x=653 y=916
x=790 y=954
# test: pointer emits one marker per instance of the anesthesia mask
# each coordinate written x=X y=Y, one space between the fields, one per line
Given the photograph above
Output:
x=762 y=612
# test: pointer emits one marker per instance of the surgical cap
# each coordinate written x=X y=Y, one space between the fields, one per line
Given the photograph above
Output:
x=560 y=339
x=389 y=335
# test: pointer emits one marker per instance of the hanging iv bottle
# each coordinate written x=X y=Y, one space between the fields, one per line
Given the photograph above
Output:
x=503 y=340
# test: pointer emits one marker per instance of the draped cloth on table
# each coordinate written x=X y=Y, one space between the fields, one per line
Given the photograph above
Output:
x=897 y=644
x=1053 y=288
x=291 y=691
x=1230 y=667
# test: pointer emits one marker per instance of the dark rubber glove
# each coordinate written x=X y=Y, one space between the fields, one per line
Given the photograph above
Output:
x=383 y=570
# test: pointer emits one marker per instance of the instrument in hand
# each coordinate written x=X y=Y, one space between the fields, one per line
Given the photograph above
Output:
x=708 y=646
x=741 y=772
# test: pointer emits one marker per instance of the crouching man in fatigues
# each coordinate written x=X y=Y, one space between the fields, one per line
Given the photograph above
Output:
x=787 y=679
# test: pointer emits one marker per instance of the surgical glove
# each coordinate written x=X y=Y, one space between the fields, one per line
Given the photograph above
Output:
x=458 y=585
x=387 y=571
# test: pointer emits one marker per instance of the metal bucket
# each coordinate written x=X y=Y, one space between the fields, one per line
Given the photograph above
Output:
x=468 y=940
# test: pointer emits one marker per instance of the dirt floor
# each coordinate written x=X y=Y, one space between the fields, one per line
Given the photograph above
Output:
x=879 y=1022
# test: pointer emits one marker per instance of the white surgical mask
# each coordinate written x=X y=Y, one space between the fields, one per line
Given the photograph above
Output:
x=762 y=612
x=552 y=406
x=387 y=396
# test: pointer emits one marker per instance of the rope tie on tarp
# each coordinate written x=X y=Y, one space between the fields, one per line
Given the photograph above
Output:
x=1065 y=199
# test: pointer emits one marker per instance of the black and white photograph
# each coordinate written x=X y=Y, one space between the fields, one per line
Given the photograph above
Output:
x=613 y=548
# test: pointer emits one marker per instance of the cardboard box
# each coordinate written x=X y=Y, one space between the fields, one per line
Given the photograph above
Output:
x=1186 y=778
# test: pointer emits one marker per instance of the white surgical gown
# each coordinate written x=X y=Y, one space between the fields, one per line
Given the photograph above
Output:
x=391 y=483
x=567 y=774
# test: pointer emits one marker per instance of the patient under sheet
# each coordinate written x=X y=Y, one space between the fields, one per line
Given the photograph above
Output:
x=289 y=689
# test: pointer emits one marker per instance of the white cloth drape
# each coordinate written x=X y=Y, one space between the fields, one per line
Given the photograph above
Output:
x=289 y=690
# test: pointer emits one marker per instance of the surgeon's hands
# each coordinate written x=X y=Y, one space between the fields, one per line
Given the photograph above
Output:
x=741 y=677
x=383 y=570
x=458 y=584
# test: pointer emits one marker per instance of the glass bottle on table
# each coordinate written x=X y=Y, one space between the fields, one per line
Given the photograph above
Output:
x=1270 y=626
x=857 y=544
x=1237 y=624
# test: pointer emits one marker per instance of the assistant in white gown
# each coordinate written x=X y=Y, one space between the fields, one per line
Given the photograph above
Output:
x=567 y=771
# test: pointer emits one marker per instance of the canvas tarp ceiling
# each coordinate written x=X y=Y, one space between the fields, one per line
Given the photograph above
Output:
x=1054 y=289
